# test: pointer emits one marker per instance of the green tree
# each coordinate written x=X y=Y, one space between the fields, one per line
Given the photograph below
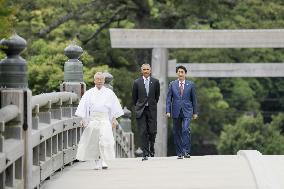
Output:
x=122 y=85
x=250 y=133
x=44 y=78
x=240 y=95
x=278 y=122
x=6 y=19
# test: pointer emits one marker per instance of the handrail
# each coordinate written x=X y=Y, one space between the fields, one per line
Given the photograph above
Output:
x=54 y=97
x=29 y=156
x=54 y=143
x=9 y=112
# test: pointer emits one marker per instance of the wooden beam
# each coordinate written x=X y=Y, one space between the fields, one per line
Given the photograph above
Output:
x=229 y=69
x=164 y=38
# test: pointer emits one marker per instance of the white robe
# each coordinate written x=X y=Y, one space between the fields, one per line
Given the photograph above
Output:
x=97 y=108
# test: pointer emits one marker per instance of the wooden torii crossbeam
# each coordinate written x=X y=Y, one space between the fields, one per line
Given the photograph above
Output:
x=229 y=69
x=161 y=39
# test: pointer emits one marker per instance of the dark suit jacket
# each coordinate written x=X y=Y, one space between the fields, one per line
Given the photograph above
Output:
x=187 y=103
x=140 y=98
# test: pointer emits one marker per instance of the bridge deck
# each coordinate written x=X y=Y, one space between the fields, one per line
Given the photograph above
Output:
x=200 y=172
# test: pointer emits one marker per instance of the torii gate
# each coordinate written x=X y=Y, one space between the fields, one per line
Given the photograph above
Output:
x=159 y=40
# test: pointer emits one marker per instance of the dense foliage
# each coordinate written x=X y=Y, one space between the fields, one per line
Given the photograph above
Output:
x=6 y=19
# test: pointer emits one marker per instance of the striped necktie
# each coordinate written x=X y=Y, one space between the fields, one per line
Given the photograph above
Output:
x=147 y=85
x=181 y=89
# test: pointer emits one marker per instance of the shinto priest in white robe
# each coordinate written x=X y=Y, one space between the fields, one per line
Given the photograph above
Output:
x=98 y=108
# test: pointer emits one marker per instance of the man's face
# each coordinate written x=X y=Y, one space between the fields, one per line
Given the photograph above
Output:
x=146 y=70
x=99 y=81
x=181 y=74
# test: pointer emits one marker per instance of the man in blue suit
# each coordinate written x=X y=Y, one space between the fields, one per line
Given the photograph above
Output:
x=182 y=107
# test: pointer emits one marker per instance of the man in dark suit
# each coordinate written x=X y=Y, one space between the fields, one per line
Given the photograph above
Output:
x=145 y=95
x=181 y=105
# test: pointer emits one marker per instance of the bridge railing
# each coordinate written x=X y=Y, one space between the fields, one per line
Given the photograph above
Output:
x=124 y=136
x=55 y=133
x=40 y=134
x=11 y=147
x=55 y=136
x=124 y=143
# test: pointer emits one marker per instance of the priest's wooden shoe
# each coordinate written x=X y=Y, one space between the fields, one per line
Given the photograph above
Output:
x=104 y=165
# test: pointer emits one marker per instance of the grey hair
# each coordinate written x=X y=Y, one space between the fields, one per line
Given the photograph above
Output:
x=145 y=64
x=99 y=74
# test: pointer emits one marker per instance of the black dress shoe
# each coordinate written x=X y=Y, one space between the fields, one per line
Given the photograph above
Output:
x=152 y=154
x=180 y=157
x=187 y=156
x=145 y=158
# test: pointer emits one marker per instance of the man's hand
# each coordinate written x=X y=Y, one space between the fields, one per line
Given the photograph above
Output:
x=168 y=115
x=114 y=123
x=194 y=116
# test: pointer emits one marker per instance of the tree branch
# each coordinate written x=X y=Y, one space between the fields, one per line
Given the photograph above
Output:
x=43 y=32
x=112 y=19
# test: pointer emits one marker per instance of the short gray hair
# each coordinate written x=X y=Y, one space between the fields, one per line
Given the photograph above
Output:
x=145 y=64
x=99 y=74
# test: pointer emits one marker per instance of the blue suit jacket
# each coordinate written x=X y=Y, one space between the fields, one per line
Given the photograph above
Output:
x=187 y=103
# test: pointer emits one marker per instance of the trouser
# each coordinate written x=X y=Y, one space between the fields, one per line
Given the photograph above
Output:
x=182 y=134
x=97 y=139
x=147 y=126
